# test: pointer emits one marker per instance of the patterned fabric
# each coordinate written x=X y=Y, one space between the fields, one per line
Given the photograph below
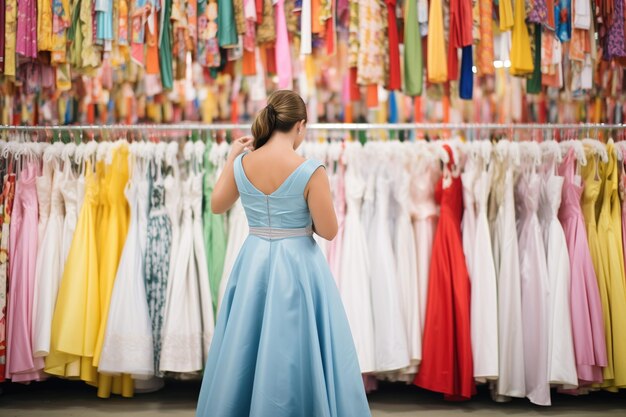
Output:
x=8 y=195
x=157 y=263
x=240 y=20
x=27 y=28
x=60 y=23
x=615 y=39
x=538 y=12
x=10 y=27
x=353 y=37
x=485 y=47
x=266 y=31
x=372 y=53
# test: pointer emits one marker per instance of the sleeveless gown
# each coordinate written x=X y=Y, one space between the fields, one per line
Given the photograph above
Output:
x=282 y=345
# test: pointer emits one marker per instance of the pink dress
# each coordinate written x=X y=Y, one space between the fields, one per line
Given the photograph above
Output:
x=21 y=365
x=585 y=304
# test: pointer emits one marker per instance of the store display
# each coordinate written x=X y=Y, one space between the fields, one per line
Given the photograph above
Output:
x=510 y=254
x=128 y=61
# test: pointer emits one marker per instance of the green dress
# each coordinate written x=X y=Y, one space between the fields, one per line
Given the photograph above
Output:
x=413 y=63
x=214 y=231
x=165 y=47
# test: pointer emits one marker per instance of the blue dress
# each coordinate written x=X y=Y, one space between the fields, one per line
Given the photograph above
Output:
x=282 y=345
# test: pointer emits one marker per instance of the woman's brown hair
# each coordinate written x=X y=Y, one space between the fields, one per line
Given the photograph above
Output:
x=284 y=109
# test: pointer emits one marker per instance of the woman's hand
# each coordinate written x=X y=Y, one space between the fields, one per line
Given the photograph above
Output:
x=239 y=146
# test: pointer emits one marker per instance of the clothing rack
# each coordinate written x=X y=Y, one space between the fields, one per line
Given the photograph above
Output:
x=319 y=126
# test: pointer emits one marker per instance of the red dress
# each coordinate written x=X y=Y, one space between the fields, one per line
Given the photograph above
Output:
x=446 y=346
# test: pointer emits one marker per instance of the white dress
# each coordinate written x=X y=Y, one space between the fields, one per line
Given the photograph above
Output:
x=392 y=351
x=127 y=346
x=468 y=224
x=511 y=380
x=484 y=291
x=535 y=288
x=43 y=185
x=319 y=152
x=237 y=234
x=424 y=213
x=404 y=247
x=354 y=273
x=69 y=190
x=49 y=260
x=188 y=321
x=561 y=357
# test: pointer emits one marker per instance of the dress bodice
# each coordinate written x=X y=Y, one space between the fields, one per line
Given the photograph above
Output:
x=423 y=188
x=592 y=189
x=69 y=190
x=286 y=207
x=572 y=190
x=551 y=197
x=527 y=198
x=449 y=191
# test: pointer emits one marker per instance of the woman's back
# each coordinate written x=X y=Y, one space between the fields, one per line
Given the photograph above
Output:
x=282 y=345
x=283 y=208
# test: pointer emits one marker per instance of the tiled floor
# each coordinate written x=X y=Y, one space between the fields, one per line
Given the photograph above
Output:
x=69 y=399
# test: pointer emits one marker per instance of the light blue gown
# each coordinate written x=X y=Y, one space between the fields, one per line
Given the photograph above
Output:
x=282 y=345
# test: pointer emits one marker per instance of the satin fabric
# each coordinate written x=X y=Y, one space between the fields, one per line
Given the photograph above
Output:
x=447 y=364
x=585 y=304
x=282 y=345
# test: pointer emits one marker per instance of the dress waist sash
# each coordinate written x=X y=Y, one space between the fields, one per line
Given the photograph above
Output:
x=274 y=233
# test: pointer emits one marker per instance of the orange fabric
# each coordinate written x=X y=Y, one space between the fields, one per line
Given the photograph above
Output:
x=355 y=93
x=152 y=47
x=347 y=117
x=417 y=108
x=316 y=23
x=372 y=96
x=330 y=32
x=234 y=113
x=445 y=102
x=248 y=65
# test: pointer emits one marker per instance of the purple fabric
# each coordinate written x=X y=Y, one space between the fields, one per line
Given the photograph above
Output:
x=615 y=40
x=538 y=12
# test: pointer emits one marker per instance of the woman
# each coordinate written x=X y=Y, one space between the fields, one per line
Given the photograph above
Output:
x=282 y=346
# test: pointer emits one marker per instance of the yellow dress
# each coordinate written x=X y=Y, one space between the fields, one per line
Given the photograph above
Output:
x=590 y=174
x=112 y=231
x=610 y=235
x=437 y=64
x=521 y=57
x=77 y=311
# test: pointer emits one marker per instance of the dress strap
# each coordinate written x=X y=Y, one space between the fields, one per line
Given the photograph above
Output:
x=300 y=179
x=240 y=178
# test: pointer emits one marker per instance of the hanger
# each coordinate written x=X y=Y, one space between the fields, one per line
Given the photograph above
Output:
x=579 y=150
x=551 y=149
x=598 y=148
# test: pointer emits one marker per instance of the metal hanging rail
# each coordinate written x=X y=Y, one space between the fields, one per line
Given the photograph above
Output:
x=315 y=126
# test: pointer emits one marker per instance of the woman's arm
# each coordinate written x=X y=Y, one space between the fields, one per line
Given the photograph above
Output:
x=320 y=201
x=225 y=192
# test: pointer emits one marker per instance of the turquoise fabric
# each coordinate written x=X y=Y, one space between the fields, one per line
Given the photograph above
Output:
x=282 y=345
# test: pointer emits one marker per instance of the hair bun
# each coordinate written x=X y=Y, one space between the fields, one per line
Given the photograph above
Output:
x=271 y=109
